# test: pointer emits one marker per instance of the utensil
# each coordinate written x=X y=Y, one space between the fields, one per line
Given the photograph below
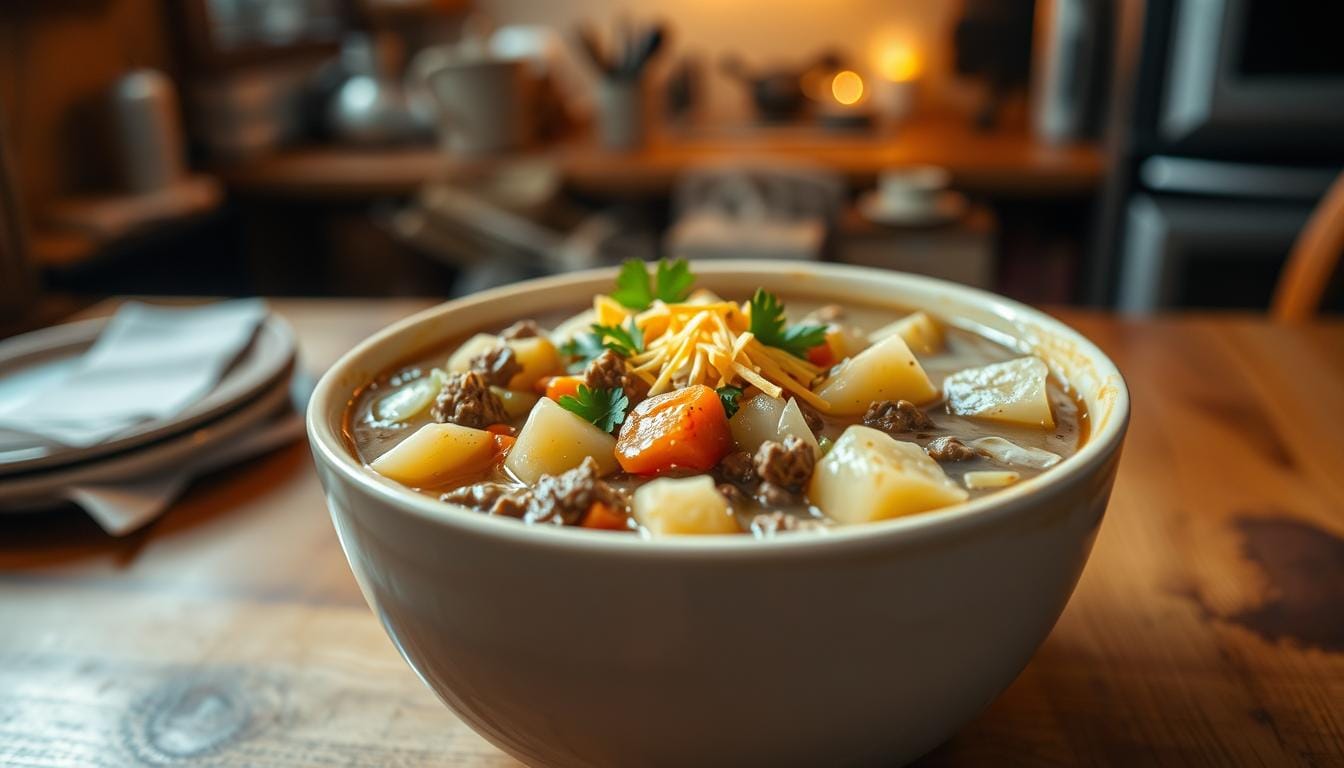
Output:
x=870 y=644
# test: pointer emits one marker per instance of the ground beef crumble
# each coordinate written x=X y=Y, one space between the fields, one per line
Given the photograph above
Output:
x=491 y=498
x=565 y=498
x=608 y=371
x=896 y=416
x=559 y=499
x=498 y=365
x=948 y=448
x=466 y=399
x=784 y=469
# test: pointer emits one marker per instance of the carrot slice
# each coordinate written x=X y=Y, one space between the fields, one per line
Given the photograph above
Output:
x=559 y=386
x=821 y=355
x=503 y=443
x=500 y=429
x=685 y=428
x=603 y=517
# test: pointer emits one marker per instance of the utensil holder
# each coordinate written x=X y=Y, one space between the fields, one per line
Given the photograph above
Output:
x=620 y=107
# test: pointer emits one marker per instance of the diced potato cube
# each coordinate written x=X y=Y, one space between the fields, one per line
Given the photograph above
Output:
x=845 y=341
x=517 y=404
x=921 y=332
x=412 y=398
x=887 y=370
x=1013 y=391
x=869 y=475
x=537 y=356
x=435 y=454
x=460 y=360
x=683 y=505
x=982 y=480
x=553 y=441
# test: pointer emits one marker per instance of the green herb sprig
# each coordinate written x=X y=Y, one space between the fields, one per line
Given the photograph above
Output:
x=671 y=283
x=769 y=326
x=604 y=408
x=729 y=396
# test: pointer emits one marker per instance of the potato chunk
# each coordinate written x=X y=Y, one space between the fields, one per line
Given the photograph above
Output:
x=921 y=332
x=538 y=357
x=435 y=454
x=460 y=360
x=536 y=354
x=516 y=403
x=869 y=475
x=887 y=370
x=554 y=440
x=768 y=418
x=683 y=505
x=1013 y=392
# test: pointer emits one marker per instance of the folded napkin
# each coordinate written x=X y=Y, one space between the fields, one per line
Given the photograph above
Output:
x=150 y=363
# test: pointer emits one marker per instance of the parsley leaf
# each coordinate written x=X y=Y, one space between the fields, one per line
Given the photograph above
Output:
x=767 y=324
x=729 y=395
x=605 y=408
x=674 y=280
x=632 y=285
x=672 y=283
x=626 y=341
x=581 y=350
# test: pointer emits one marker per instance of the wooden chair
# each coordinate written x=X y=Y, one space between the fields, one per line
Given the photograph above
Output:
x=1312 y=262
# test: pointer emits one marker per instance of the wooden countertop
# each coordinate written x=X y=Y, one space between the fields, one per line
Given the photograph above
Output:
x=1002 y=163
x=1208 y=626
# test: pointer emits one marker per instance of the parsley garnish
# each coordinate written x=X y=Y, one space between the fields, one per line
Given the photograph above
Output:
x=767 y=324
x=672 y=283
x=729 y=395
x=626 y=341
x=581 y=350
x=605 y=408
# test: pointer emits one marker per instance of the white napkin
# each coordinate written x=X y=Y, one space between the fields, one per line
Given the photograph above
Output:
x=125 y=507
x=149 y=363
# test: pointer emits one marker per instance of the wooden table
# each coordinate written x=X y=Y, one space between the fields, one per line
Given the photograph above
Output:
x=1208 y=628
x=1007 y=163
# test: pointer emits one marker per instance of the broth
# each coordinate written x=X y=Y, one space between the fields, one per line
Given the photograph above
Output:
x=370 y=437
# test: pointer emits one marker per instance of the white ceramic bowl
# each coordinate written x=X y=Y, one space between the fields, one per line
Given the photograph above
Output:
x=570 y=647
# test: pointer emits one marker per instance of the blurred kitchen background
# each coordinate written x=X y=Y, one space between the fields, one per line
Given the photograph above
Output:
x=1119 y=153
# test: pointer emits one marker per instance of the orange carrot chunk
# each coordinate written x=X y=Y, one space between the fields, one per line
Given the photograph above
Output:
x=686 y=428
x=603 y=517
x=559 y=386
x=503 y=443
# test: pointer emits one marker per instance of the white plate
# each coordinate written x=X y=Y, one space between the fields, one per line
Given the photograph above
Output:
x=945 y=207
x=39 y=489
x=33 y=359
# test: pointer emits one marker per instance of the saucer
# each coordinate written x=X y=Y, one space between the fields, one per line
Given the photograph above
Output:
x=942 y=208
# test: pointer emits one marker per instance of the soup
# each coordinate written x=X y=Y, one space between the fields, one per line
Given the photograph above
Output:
x=664 y=410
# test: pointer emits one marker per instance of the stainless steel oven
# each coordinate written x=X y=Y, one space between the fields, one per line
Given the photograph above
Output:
x=1228 y=126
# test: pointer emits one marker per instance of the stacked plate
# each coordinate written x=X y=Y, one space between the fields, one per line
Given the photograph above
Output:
x=249 y=409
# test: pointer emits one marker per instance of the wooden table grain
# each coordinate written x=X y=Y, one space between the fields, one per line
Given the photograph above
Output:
x=1207 y=629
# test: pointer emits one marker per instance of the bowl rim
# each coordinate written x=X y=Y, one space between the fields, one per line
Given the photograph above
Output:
x=328 y=447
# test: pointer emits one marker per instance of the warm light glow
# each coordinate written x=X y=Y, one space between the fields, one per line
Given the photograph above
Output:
x=847 y=87
x=898 y=62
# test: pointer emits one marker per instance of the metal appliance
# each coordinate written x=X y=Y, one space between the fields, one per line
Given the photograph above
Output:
x=1228 y=125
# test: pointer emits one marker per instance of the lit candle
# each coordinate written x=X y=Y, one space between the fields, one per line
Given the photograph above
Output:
x=898 y=67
